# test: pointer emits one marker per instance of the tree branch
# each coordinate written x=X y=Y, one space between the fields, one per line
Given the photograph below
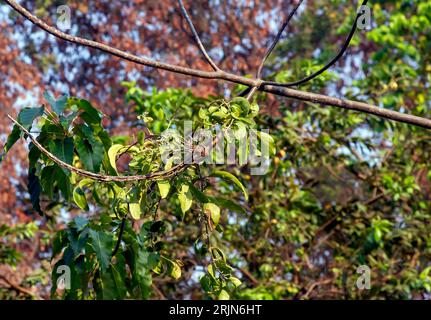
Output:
x=275 y=88
x=350 y=105
x=196 y=37
x=100 y=177
x=277 y=38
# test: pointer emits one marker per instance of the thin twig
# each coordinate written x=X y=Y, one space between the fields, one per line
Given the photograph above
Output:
x=314 y=285
x=249 y=276
x=329 y=64
x=127 y=150
x=374 y=199
x=100 y=177
x=157 y=290
x=277 y=38
x=196 y=37
x=251 y=93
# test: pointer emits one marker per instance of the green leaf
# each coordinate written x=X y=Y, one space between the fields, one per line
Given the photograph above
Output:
x=143 y=272
x=34 y=189
x=112 y=284
x=106 y=289
x=74 y=277
x=242 y=103
x=185 y=197
x=229 y=176
x=102 y=245
x=90 y=154
x=133 y=199
x=164 y=187
x=50 y=175
x=199 y=195
x=254 y=109
x=118 y=272
x=11 y=140
x=58 y=105
x=80 y=199
x=241 y=132
x=206 y=283
x=173 y=268
x=63 y=149
x=105 y=138
x=235 y=281
x=213 y=211
x=27 y=115
x=267 y=141
x=228 y=204
x=47 y=180
x=211 y=272
x=80 y=222
x=223 y=295
x=112 y=155
x=59 y=242
x=63 y=182
x=175 y=272
x=90 y=115
x=85 y=182
x=135 y=210
x=77 y=238
x=243 y=152
x=33 y=152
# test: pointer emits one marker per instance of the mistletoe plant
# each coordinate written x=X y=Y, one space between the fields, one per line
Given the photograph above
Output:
x=115 y=245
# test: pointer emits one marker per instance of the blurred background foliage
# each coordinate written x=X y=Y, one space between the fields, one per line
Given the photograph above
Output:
x=344 y=189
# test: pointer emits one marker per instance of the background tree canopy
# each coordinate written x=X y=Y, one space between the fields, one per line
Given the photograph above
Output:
x=343 y=189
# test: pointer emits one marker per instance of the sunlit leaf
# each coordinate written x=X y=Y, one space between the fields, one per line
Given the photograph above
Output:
x=185 y=197
x=164 y=187
x=213 y=211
